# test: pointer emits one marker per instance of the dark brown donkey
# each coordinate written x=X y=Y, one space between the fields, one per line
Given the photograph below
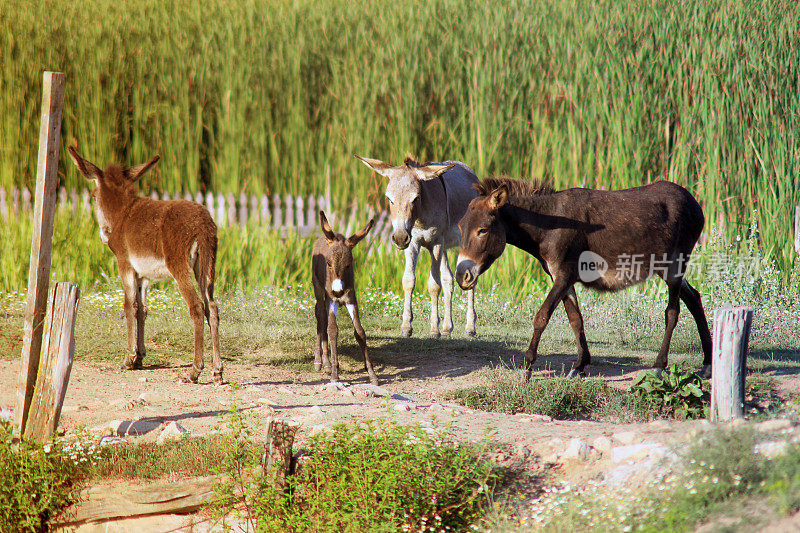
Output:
x=334 y=285
x=153 y=240
x=607 y=240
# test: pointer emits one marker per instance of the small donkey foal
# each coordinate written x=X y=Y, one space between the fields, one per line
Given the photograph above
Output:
x=153 y=240
x=334 y=285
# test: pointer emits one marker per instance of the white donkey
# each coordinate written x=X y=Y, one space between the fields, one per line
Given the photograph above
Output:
x=426 y=201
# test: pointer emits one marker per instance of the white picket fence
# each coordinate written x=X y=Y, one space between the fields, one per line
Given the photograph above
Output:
x=287 y=214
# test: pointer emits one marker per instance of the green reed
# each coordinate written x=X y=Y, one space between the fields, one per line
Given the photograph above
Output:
x=263 y=96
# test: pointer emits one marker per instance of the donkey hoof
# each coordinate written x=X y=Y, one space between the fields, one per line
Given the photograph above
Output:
x=193 y=377
x=446 y=333
x=406 y=332
x=218 y=378
x=317 y=367
x=471 y=333
x=704 y=372
x=434 y=335
x=575 y=373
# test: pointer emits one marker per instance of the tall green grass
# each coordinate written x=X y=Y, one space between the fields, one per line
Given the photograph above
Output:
x=262 y=95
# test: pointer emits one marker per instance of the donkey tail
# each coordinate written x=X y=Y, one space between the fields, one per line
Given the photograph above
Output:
x=205 y=265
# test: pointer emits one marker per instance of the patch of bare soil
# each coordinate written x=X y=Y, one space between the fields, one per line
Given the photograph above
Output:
x=137 y=404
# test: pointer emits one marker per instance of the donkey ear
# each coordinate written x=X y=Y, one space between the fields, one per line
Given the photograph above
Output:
x=356 y=237
x=497 y=198
x=382 y=168
x=326 y=228
x=434 y=171
x=136 y=172
x=87 y=168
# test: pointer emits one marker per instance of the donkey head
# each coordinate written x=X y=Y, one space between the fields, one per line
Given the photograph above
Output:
x=339 y=257
x=403 y=193
x=114 y=188
x=483 y=236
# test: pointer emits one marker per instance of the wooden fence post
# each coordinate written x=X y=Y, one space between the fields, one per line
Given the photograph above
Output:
x=729 y=362
x=58 y=349
x=277 y=457
x=41 y=243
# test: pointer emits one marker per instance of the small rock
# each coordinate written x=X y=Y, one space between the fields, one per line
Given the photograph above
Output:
x=646 y=449
x=150 y=397
x=738 y=422
x=333 y=386
x=347 y=392
x=602 y=444
x=6 y=413
x=776 y=424
x=577 y=449
x=771 y=449
x=143 y=379
x=369 y=390
x=542 y=418
x=436 y=407
x=405 y=397
x=319 y=428
x=659 y=424
x=110 y=440
x=172 y=431
x=402 y=407
x=286 y=390
x=626 y=437
x=315 y=410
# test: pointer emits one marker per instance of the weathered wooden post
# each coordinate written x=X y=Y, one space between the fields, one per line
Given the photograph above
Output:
x=58 y=350
x=797 y=233
x=41 y=243
x=729 y=362
x=277 y=457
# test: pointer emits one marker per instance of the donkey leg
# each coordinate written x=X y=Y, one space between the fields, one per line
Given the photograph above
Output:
x=197 y=313
x=321 y=346
x=670 y=320
x=691 y=297
x=469 y=329
x=142 y=284
x=130 y=287
x=412 y=252
x=576 y=321
x=333 y=338
x=361 y=339
x=212 y=315
x=446 y=277
x=540 y=321
x=435 y=288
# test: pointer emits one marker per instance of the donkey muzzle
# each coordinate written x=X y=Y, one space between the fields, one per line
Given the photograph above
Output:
x=467 y=273
x=401 y=239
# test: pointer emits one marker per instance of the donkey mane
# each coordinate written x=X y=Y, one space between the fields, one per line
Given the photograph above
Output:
x=413 y=163
x=516 y=187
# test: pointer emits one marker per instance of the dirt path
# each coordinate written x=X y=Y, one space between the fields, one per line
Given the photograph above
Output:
x=140 y=401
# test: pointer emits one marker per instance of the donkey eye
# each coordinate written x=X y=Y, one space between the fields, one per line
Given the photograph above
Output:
x=481 y=232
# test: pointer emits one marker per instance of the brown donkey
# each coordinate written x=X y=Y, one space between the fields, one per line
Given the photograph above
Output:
x=154 y=240
x=334 y=285
x=607 y=240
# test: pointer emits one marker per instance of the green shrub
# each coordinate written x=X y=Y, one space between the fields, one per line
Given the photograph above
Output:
x=36 y=480
x=381 y=477
x=559 y=398
x=677 y=392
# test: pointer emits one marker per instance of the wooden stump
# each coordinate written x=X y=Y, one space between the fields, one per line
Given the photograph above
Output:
x=729 y=362
x=277 y=457
x=57 y=350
